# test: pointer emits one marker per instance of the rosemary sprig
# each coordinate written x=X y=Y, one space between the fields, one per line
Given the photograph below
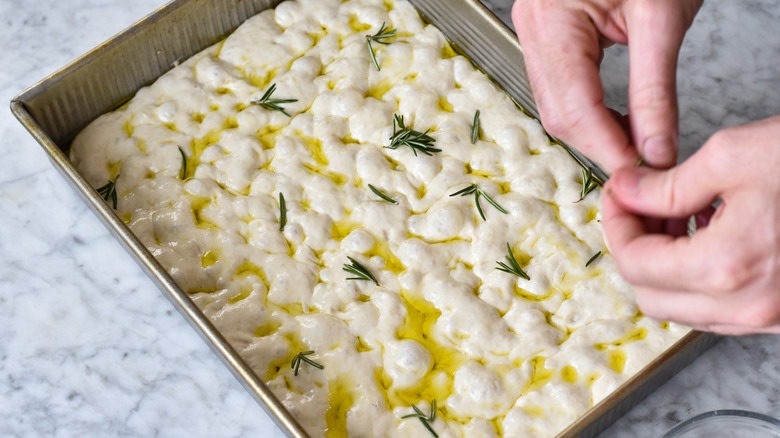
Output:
x=273 y=104
x=360 y=271
x=593 y=259
x=475 y=128
x=282 y=212
x=415 y=140
x=426 y=420
x=296 y=362
x=108 y=191
x=382 y=195
x=379 y=38
x=589 y=183
x=183 y=172
x=477 y=192
x=512 y=266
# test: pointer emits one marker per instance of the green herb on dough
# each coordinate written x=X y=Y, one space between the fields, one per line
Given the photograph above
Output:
x=379 y=38
x=183 y=173
x=282 y=212
x=296 y=362
x=426 y=420
x=477 y=192
x=108 y=191
x=360 y=271
x=589 y=183
x=593 y=259
x=382 y=195
x=415 y=140
x=475 y=128
x=511 y=266
x=273 y=104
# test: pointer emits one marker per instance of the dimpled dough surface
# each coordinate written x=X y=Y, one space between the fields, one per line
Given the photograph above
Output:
x=500 y=355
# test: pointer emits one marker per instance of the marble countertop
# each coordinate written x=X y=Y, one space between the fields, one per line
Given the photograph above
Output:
x=90 y=347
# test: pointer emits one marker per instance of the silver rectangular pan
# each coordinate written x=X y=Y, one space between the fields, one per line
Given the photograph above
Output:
x=59 y=106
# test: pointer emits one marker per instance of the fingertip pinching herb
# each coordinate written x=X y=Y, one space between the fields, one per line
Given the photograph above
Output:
x=511 y=266
x=475 y=128
x=379 y=38
x=477 y=192
x=382 y=195
x=273 y=104
x=415 y=140
x=183 y=172
x=301 y=357
x=593 y=259
x=108 y=191
x=282 y=212
x=359 y=271
x=426 y=420
x=589 y=183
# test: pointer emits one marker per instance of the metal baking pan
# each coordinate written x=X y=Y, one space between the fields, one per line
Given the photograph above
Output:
x=59 y=106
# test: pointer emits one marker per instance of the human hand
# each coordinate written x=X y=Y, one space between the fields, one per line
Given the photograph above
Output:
x=563 y=44
x=726 y=277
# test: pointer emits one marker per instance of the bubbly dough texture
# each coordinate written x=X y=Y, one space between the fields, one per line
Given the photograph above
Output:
x=199 y=169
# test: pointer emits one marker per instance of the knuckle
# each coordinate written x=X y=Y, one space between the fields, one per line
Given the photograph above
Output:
x=528 y=16
x=720 y=139
x=654 y=96
x=669 y=189
x=730 y=273
x=719 y=154
x=644 y=9
x=554 y=123
x=564 y=118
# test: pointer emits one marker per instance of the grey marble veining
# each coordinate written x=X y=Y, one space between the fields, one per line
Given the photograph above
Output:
x=90 y=348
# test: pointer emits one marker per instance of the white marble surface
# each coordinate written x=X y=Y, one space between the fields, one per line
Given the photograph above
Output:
x=90 y=348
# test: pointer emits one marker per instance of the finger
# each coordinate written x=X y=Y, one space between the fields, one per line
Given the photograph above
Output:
x=679 y=192
x=655 y=33
x=564 y=76
x=703 y=312
x=654 y=260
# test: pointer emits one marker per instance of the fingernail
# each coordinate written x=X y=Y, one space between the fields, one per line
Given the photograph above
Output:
x=659 y=151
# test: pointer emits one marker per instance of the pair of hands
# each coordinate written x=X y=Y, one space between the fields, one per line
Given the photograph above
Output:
x=726 y=277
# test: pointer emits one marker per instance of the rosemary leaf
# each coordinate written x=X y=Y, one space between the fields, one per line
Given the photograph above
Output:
x=273 y=104
x=379 y=38
x=477 y=192
x=479 y=207
x=466 y=191
x=492 y=202
x=593 y=259
x=301 y=357
x=282 y=212
x=183 y=172
x=382 y=195
x=415 y=140
x=511 y=266
x=426 y=420
x=108 y=191
x=589 y=183
x=359 y=271
x=475 y=128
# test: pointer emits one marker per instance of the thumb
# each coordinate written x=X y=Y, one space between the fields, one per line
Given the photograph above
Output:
x=675 y=193
x=655 y=32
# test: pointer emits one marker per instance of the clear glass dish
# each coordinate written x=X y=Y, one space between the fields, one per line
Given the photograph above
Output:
x=727 y=424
